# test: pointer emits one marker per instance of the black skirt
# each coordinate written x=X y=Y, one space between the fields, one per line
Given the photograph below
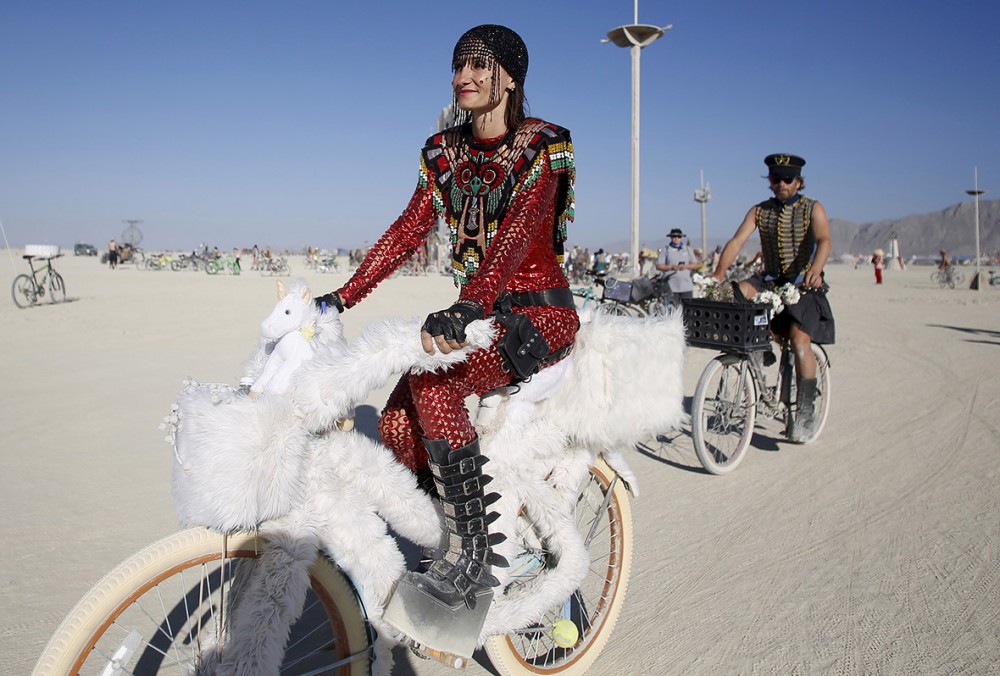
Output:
x=812 y=314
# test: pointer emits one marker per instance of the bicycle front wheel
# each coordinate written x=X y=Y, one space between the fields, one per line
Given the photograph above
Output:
x=723 y=413
x=57 y=288
x=604 y=517
x=23 y=291
x=160 y=611
x=212 y=267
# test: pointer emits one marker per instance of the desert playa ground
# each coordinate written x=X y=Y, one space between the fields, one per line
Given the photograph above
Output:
x=874 y=550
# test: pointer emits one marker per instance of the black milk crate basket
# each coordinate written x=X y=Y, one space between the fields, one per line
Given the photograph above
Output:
x=730 y=327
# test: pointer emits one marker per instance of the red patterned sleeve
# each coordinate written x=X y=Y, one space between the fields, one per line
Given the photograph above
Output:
x=394 y=247
x=528 y=217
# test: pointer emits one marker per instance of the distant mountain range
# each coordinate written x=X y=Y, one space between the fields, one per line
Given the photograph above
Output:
x=952 y=229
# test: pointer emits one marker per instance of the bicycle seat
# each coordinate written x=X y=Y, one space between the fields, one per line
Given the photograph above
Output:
x=522 y=397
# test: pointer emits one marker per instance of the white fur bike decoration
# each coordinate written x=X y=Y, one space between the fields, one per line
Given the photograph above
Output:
x=284 y=483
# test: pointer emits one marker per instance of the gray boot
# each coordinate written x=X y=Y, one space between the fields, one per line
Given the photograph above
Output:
x=804 y=423
x=443 y=609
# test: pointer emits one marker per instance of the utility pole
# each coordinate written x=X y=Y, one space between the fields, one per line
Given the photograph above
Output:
x=976 y=192
x=701 y=197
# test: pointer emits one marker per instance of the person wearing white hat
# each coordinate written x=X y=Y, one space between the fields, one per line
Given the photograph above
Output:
x=678 y=259
x=878 y=260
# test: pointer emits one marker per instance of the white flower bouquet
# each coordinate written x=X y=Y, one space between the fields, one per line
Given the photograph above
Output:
x=779 y=298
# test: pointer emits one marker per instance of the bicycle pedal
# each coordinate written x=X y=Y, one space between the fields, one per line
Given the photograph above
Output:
x=445 y=658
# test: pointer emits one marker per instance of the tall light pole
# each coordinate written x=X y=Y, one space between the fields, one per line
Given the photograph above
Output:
x=701 y=197
x=976 y=192
x=635 y=37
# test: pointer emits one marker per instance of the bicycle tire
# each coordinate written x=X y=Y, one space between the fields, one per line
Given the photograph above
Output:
x=23 y=291
x=176 y=266
x=621 y=309
x=148 y=593
x=722 y=418
x=596 y=605
x=823 y=392
x=212 y=267
x=57 y=288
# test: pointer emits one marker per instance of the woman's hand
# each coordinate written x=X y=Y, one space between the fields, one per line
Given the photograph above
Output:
x=446 y=328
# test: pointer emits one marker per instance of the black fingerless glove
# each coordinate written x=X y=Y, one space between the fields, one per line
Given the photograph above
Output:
x=451 y=323
x=329 y=300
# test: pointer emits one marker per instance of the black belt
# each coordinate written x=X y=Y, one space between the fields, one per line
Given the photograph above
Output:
x=553 y=297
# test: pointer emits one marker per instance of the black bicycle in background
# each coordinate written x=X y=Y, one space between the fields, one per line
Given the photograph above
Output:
x=29 y=290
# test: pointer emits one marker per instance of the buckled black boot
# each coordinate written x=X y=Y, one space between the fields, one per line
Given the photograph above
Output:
x=443 y=609
x=804 y=423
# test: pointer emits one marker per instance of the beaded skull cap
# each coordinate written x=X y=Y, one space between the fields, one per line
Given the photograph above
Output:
x=493 y=43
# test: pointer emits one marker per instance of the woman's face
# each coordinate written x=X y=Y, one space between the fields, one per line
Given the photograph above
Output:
x=473 y=85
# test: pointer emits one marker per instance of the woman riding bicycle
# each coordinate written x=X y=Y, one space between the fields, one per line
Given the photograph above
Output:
x=504 y=184
x=795 y=243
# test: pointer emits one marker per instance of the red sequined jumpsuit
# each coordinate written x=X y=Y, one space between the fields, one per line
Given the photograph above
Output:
x=521 y=257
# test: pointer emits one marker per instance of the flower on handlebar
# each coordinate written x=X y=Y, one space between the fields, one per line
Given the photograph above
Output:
x=779 y=298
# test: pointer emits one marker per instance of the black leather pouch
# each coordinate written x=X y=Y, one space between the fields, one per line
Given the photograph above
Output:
x=523 y=348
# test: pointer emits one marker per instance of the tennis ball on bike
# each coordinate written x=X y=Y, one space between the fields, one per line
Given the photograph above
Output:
x=564 y=633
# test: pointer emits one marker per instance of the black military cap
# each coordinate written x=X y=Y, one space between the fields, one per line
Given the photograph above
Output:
x=784 y=165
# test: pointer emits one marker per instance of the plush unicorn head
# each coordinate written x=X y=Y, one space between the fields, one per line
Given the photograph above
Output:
x=290 y=327
x=294 y=311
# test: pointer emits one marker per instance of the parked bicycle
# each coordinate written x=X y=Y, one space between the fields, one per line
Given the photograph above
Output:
x=187 y=262
x=275 y=266
x=157 y=261
x=29 y=290
x=747 y=379
x=329 y=264
x=304 y=589
x=226 y=263
x=639 y=297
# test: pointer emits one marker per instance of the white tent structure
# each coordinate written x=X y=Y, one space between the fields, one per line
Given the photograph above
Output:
x=893 y=258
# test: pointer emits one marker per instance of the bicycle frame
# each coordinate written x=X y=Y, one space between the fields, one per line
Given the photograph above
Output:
x=45 y=271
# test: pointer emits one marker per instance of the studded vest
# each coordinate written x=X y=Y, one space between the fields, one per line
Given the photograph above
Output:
x=786 y=236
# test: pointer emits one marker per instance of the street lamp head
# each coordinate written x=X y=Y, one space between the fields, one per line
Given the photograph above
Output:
x=636 y=35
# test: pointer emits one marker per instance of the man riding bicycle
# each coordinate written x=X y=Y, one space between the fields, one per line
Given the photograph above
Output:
x=795 y=243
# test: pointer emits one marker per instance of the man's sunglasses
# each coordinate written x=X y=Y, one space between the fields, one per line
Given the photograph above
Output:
x=781 y=179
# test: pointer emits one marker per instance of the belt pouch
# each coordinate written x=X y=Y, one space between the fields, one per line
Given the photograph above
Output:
x=522 y=348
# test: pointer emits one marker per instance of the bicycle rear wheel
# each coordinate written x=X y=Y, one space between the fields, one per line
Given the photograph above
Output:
x=604 y=516
x=57 y=288
x=723 y=413
x=23 y=291
x=159 y=612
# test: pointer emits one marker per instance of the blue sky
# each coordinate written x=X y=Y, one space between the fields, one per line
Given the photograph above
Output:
x=300 y=123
